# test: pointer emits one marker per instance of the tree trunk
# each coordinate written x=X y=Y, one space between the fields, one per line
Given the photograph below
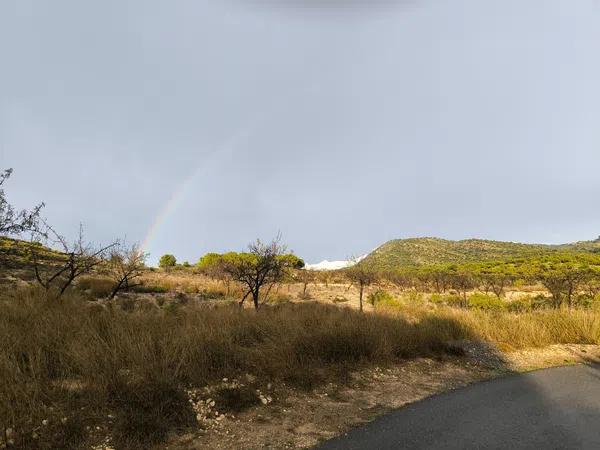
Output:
x=241 y=303
x=362 y=287
x=115 y=290
x=255 y=299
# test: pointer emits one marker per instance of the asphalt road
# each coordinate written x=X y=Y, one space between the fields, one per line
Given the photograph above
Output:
x=549 y=409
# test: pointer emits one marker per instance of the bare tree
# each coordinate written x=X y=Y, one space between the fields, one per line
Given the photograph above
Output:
x=305 y=277
x=125 y=264
x=261 y=267
x=12 y=221
x=363 y=275
x=80 y=258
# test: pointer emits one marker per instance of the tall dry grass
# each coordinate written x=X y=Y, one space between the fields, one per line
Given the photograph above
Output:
x=73 y=361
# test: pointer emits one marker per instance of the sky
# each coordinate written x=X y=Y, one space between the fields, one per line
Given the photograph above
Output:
x=199 y=125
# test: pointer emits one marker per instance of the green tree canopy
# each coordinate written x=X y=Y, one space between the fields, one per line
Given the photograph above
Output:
x=167 y=261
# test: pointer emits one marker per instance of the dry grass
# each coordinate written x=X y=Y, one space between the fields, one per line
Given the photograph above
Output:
x=511 y=330
x=60 y=357
x=74 y=362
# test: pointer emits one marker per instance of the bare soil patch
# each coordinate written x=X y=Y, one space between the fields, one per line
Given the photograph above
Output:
x=302 y=420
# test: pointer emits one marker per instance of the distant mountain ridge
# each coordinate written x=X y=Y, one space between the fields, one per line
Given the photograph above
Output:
x=425 y=251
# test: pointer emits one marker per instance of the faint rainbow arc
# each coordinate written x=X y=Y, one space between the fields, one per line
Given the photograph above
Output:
x=180 y=192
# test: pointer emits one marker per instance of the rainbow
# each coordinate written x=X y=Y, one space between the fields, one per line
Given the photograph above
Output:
x=181 y=191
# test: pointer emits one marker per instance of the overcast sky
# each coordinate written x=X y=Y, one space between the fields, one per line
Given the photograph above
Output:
x=198 y=126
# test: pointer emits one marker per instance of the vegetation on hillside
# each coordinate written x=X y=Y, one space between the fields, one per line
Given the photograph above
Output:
x=433 y=251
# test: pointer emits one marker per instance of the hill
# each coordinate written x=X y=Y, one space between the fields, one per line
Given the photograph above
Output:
x=431 y=251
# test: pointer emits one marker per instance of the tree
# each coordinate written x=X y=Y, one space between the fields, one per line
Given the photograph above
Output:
x=325 y=276
x=565 y=274
x=213 y=266
x=305 y=277
x=363 y=275
x=495 y=278
x=81 y=258
x=261 y=267
x=209 y=261
x=167 y=261
x=462 y=281
x=591 y=284
x=435 y=276
x=125 y=264
x=13 y=222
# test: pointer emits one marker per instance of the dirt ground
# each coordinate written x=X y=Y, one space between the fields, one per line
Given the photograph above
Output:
x=295 y=420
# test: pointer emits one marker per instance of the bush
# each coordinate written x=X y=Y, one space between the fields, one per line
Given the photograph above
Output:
x=436 y=298
x=541 y=301
x=447 y=299
x=213 y=292
x=486 y=302
x=147 y=410
x=167 y=261
x=381 y=298
x=413 y=298
x=278 y=298
x=586 y=301
x=98 y=287
x=151 y=289
x=520 y=305
x=454 y=300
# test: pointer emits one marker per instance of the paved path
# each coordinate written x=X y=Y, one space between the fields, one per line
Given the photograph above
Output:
x=549 y=409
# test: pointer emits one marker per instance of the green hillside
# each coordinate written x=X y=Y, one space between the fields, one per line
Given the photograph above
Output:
x=431 y=251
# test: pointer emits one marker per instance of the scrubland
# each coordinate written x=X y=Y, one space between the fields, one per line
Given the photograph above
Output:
x=76 y=370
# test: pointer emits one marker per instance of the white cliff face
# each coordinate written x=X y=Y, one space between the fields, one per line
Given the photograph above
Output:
x=334 y=265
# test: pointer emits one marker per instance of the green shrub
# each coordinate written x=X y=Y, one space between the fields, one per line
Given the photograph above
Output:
x=540 y=301
x=413 y=297
x=486 y=302
x=381 y=298
x=586 y=301
x=520 y=305
x=437 y=298
x=151 y=289
x=454 y=300
x=213 y=293
x=167 y=261
x=278 y=298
